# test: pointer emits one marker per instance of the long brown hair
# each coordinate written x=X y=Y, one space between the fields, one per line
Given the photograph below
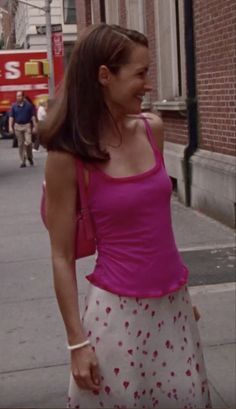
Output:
x=74 y=119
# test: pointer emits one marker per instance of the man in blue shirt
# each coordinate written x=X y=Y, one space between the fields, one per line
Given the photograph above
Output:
x=21 y=118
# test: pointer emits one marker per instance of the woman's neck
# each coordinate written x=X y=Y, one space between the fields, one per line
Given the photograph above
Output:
x=114 y=129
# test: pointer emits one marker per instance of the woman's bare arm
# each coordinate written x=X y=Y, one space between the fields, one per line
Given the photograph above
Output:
x=61 y=195
x=61 y=219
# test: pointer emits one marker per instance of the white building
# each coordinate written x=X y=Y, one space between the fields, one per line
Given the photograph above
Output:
x=4 y=14
x=27 y=18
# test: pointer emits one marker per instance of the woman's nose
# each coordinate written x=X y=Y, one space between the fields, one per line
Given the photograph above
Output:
x=148 y=86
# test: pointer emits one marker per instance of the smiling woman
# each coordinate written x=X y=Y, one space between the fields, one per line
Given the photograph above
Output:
x=127 y=89
x=136 y=342
x=106 y=50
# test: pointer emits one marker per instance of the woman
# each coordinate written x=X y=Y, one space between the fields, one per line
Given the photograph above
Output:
x=136 y=344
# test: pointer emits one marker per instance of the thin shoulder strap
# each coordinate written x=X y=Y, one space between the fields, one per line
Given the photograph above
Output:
x=149 y=133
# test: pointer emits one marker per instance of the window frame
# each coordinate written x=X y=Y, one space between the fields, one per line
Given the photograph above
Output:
x=136 y=8
x=171 y=84
x=112 y=11
x=64 y=9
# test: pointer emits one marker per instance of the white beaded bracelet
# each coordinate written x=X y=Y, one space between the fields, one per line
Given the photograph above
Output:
x=78 y=346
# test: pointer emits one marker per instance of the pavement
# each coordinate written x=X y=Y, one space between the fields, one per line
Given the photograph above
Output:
x=34 y=362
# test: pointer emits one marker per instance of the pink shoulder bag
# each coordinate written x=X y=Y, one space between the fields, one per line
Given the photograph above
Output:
x=85 y=243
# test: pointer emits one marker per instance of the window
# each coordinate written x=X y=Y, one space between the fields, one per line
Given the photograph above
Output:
x=112 y=11
x=69 y=11
x=92 y=12
x=169 y=17
x=135 y=15
x=136 y=21
x=97 y=11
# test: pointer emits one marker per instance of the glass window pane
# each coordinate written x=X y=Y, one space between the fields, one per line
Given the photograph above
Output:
x=69 y=12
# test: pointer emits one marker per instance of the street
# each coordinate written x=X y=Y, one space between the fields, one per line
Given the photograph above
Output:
x=34 y=360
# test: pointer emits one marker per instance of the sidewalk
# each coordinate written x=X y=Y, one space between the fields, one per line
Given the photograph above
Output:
x=34 y=366
x=216 y=304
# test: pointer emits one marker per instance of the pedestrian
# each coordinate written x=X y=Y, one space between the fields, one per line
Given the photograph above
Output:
x=41 y=112
x=21 y=115
x=30 y=101
x=136 y=343
x=41 y=116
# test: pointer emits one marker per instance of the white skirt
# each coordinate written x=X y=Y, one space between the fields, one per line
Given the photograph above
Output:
x=149 y=353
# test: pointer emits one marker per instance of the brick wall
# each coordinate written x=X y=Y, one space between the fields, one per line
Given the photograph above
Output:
x=215 y=36
x=176 y=127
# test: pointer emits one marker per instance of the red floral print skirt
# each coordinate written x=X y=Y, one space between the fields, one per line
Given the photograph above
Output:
x=149 y=353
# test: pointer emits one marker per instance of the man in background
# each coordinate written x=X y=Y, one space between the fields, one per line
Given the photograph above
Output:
x=41 y=115
x=21 y=118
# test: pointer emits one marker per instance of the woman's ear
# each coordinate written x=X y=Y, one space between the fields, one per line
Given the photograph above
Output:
x=104 y=75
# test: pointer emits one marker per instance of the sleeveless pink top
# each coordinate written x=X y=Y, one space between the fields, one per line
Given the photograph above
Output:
x=137 y=253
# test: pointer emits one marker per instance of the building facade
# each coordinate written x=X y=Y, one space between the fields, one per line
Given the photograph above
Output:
x=7 y=30
x=28 y=18
x=192 y=46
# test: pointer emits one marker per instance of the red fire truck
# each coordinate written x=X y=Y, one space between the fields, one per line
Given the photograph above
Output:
x=25 y=70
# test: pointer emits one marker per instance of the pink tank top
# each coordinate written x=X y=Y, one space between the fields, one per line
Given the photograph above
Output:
x=137 y=253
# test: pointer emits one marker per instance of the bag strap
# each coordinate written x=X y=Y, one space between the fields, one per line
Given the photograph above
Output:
x=84 y=210
x=82 y=189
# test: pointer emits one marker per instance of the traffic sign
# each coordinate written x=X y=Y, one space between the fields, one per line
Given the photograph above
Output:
x=56 y=28
x=57 y=44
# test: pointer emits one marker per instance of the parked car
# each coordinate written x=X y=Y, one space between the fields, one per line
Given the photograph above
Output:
x=4 y=130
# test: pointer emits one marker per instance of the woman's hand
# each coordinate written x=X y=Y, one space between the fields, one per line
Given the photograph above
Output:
x=85 y=369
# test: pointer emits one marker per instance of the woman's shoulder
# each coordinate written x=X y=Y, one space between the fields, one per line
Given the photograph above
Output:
x=156 y=125
x=60 y=158
x=154 y=121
